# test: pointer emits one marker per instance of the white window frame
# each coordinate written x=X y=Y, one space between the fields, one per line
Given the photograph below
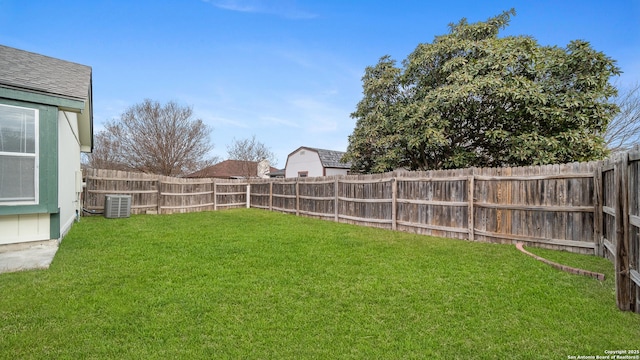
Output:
x=35 y=155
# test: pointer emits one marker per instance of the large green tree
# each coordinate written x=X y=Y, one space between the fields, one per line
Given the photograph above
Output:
x=471 y=98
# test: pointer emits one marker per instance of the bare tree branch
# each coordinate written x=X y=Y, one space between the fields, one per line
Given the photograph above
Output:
x=250 y=150
x=154 y=138
x=623 y=132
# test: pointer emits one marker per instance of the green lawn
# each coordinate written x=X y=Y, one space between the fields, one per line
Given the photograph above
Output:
x=250 y=284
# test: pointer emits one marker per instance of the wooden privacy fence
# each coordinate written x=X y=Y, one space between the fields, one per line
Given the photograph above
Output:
x=619 y=224
x=548 y=206
x=155 y=194
x=569 y=207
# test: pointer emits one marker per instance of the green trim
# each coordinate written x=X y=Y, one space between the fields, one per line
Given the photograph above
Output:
x=54 y=226
x=64 y=103
x=24 y=209
x=47 y=160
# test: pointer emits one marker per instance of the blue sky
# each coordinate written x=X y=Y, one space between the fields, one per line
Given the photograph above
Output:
x=286 y=71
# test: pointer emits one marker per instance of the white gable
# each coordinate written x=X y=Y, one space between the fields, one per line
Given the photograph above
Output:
x=303 y=160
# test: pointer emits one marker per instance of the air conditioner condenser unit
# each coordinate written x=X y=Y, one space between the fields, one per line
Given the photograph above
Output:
x=117 y=206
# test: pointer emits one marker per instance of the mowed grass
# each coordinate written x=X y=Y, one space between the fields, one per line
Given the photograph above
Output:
x=251 y=284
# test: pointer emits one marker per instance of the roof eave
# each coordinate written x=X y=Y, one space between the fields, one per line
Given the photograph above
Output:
x=85 y=122
x=84 y=108
x=63 y=103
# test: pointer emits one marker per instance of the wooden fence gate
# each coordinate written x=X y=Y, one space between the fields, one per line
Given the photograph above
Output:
x=620 y=225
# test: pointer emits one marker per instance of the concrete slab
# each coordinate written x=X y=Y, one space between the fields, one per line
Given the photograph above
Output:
x=28 y=256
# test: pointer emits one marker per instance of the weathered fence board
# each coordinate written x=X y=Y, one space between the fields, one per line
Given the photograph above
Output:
x=143 y=189
x=634 y=228
x=260 y=195
x=183 y=195
x=620 y=228
x=160 y=194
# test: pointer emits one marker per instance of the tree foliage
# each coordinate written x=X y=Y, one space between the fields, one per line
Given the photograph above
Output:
x=154 y=138
x=471 y=98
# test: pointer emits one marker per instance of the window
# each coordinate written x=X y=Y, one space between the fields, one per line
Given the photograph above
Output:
x=303 y=173
x=18 y=155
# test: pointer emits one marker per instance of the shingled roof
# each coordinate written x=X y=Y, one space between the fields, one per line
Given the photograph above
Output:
x=229 y=169
x=330 y=158
x=37 y=78
x=33 y=72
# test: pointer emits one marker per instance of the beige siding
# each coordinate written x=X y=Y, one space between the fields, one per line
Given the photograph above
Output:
x=22 y=228
x=303 y=160
x=68 y=166
x=333 y=172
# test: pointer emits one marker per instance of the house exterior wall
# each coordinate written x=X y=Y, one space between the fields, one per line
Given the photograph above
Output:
x=303 y=160
x=336 y=171
x=68 y=167
x=39 y=221
x=40 y=198
x=25 y=227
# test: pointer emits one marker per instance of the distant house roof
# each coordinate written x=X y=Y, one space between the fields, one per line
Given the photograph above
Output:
x=229 y=169
x=329 y=158
x=277 y=173
x=25 y=70
x=61 y=83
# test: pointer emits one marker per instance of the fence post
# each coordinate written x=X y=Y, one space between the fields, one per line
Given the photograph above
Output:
x=215 y=195
x=634 y=220
x=297 y=197
x=623 y=277
x=394 y=204
x=248 y=195
x=335 y=201
x=598 y=214
x=159 y=187
x=270 y=195
x=470 y=198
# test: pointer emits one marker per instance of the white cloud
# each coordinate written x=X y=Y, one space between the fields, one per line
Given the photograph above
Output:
x=110 y=109
x=319 y=116
x=214 y=119
x=279 y=121
x=220 y=120
x=298 y=58
x=241 y=6
x=283 y=8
